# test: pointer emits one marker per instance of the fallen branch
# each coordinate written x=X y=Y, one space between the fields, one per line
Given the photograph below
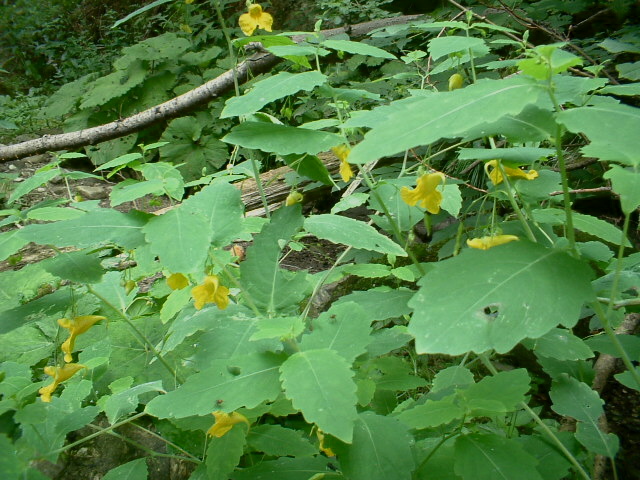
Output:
x=258 y=63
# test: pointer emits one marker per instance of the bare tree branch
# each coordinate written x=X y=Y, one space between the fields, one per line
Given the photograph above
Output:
x=178 y=106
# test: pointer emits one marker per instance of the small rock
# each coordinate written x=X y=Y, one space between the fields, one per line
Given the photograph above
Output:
x=12 y=167
x=41 y=189
x=18 y=180
x=89 y=192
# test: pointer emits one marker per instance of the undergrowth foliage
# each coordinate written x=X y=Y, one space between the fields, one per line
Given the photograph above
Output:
x=399 y=381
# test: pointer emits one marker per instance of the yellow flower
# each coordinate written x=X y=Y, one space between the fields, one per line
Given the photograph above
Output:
x=59 y=374
x=326 y=450
x=188 y=2
x=210 y=292
x=455 y=81
x=425 y=192
x=293 y=198
x=342 y=152
x=254 y=19
x=495 y=175
x=177 y=281
x=186 y=28
x=225 y=422
x=76 y=326
x=485 y=243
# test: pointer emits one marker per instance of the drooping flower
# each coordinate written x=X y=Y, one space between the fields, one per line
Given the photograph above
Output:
x=342 y=152
x=455 y=81
x=293 y=198
x=326 y=450
x=485 y=243
x=59 y=374
x=256 y=18
x=426 y=192
x=210 y=291
x=76 y=326
x=495 y=175
x=177 y=281
x=225 y=422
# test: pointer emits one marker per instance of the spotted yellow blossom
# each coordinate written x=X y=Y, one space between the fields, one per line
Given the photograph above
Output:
x=455 y=81
x=177 y=281
x=342 y=152
x=59 y=374
x=210 y=291
x=76 y=326
x=256 y=18
x=326 y=450
x=225 y=422
x=426 y=192
x=293 y=198
x=495 y=175
x=485 y=243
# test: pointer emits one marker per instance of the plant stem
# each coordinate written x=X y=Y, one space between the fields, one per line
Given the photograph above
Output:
x=512 y=200
x=144 y=341
x=232 y=54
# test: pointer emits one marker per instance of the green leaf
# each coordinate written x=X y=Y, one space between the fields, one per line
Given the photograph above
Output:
x=626 y=183
x=121 y=161
x=286 y=51
x=442 y=46
x=395 y=374
x=548 y=60
x=357 y=48
x=54 y=214
x=627 y=379
x=227 y=385
x=36 y=180
x=560 y=344
x=137 y=12
x=269 y=286
x=432 y=413
x=388 y=339
x=131 y=190
x=514 y=155
x=124 y=402
x=167 y=45
x=588 y=224
x=630 y=71
x=576 y=399
x=381 y=450
x=133 y=470
x=283 y=328
x=452 y=377
x=351 y=232
x=270 y=89
x=611 y=128
x=506 y=388
x=381 y=303
x=344 y=329
x=281 y=139
x=553 y=464
x=422 y=120
x=309 y=166
x=114 y=85
x=493 y=299
x=533 y=124
x=172 y=181
x=319 y=383
x=224 y=453
x=480 y=456
x=279 y=441
x=305 y=468
x=367 y=270
x=78 y=267
x=630 y=89
x=10 y=243
x=97 y=227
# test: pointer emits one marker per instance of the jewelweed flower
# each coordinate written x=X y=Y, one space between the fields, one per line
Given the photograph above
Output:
x=210 y=291
x=76 y=326
x=59 y=374
x=485 y=243
x=177 y=281
x=342 y=152
x=225 y=422
x=254 y=19
x=455 y=81
x=326 y=450
x=426 y=192
x=293 y=198
x=495 y=175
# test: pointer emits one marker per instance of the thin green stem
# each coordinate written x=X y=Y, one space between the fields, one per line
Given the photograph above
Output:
x=171 y=444
x=618 y=271
x=227 y=37
x=489 y=366
x=256 y=176
x=142 y=339
x=516 y=208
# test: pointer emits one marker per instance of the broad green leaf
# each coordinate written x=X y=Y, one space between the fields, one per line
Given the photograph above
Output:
x=279 y=441
x=227 y=385
x=97 y=227
x=631 y=89
x=351 y=232
x=121 y=161
x=115 y=84
x=357 y=48
x=630 y=71
x=406 y=216
x=367 y=270
x=576 y=399
x=452 y=377
x=19 y=286
x=270 y=287
x=224 y=453
x=172 y=181
x=588 y=224
x=281 y=139
x=553 y=465
x=482 y=300
x=422 y=120
x=284 y=328
x=309 y=166
x=125 y=402
x=351 y=201
x=10 y=243
x=548 y=60
x=54 y=214
x=53 y=305
x=381 y=450
x=344 y=329
x=507 y=388
x=36 y=180
x=514 y=155
x=270 y=89
x=285 y=468
x=626 y=183
x=627 y=379
x=78 y=267
x=286 y=51
x=11 y=466
x=433 y=413
x=319 y=384
x=137 y=12
x=481 y=456
x=442 y=46
x=133 y=470
x=66 y=97
x=560 y=344
x=395 y=374
x=611 y=128
x=131 y=190
x=381 y=303
x=616 y=46
x=533 y=124
x=387 y=339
